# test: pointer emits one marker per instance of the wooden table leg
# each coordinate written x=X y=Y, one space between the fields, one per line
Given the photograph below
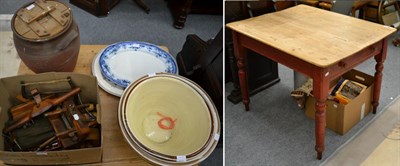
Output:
x=380 y=58
x=320 y=91
x=143 y=6
x=240 y=53
x=180 y=10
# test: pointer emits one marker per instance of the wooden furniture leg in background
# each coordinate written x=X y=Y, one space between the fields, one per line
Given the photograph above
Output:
x=240 y=53
x=396 y=41
x=380 y=58
x=180 y=9
x=98 y=8
x=320 y=91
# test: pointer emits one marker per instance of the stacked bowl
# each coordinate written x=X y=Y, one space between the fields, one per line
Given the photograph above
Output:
x=169 y=120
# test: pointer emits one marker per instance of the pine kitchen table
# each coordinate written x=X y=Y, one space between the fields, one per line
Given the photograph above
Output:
x=318 y=43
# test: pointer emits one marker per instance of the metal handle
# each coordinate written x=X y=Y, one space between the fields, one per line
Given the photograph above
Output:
x=68 y=39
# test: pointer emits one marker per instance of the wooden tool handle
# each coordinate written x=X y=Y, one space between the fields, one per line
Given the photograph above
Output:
x=17 y=124
x=81 y=127
x=20 y=110
x=60 y=99
x=37 y=111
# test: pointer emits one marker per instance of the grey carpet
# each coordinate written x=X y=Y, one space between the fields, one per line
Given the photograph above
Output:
x=276 y=132
x=127 y=21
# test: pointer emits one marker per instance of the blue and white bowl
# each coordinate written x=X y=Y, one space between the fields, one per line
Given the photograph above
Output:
x=124 y=62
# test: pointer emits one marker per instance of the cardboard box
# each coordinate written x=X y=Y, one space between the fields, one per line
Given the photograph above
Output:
x=341 y=118
x=10 y=87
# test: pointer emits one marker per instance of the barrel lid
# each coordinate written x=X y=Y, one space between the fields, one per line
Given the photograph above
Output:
x=41 y=20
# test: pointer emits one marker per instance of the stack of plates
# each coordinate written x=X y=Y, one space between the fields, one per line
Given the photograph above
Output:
x=169 y=120
x=122 y=63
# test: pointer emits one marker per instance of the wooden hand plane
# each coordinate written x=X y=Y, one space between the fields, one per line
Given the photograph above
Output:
x=39 y=109
x=68 y=124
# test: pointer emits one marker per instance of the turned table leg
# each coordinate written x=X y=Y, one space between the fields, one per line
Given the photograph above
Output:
x=240 y=53
x=180 y=11
x=320 y=124
x=320 y=91
x=142 y=5
x=380 y=58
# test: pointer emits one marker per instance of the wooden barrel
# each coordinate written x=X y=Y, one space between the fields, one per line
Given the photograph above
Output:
x=46 y=37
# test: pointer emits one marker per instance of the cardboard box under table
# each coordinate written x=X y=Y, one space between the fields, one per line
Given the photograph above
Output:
x=10 y=87
x=341 y=118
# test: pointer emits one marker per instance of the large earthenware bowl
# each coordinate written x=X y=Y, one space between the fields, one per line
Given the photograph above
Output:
x=169 y=118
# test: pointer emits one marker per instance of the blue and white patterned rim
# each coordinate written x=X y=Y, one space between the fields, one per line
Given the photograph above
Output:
x=110 y=51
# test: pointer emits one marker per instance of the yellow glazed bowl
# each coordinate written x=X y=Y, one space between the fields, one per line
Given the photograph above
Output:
x=162 y=159
x=152 y=100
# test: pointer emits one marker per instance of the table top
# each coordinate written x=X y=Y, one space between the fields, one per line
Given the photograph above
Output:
x=116 y=151
x=317 y=36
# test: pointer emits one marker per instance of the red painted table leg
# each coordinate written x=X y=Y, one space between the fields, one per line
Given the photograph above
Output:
x=320 y=91
x=240 y=53
x=380 y=58
x=320 y=124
